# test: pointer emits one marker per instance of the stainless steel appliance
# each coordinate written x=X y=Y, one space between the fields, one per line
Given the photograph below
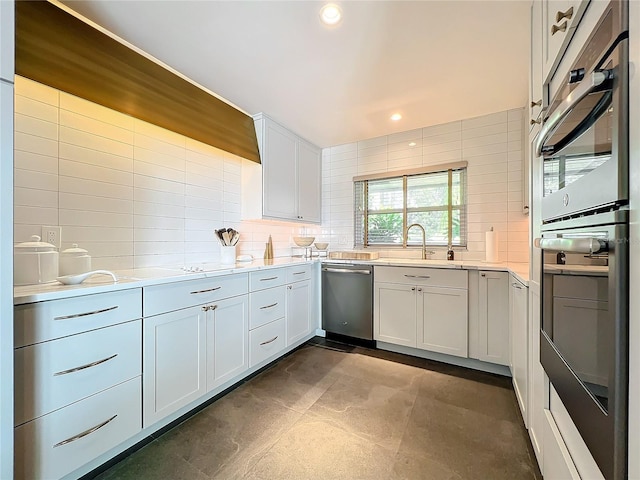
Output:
x=584 y=332
x=585 y=242
x=584 y=138
x=347 y=299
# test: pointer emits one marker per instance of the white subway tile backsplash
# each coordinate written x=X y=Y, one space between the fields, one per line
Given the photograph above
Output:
x=35 y=162
x=92 y=172
x=442 y=138
x=441 y=147
x=95 y=142
x=37 y=180
x=486 y=130
x=498 y=138
x=491 y=119
x=81 y=218
x=35 y=215
x=158 y=197
x=95 y=127
x=90 y=203
x=96 y=188
x=93 y=110
x=26 y=142
x=35 y=109
x=371 y=142
x=82 y=234
x=95 y=157
x=35 y=126
x=153 y=183
x=157 y=171
x=158 y=210
x=36 y=91
x=153 y=222
x=441 y=129
x=158 y=139
x=31 y=197
x=157 y=235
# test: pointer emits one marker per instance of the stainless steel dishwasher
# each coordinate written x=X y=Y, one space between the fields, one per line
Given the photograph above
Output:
x=347 y=299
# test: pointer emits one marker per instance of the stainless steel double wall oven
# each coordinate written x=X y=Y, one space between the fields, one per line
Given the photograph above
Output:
x=585 y=242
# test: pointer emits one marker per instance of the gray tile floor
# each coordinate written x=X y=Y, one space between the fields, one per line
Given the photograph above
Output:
x=331 y=411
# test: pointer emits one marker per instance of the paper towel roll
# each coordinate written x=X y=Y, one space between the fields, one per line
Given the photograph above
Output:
x=491 y=247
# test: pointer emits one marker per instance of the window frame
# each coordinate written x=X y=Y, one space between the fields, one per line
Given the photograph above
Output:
x=361 y=216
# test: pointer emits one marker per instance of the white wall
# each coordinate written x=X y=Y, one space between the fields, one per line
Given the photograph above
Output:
x=133 y=194
x=493 y=147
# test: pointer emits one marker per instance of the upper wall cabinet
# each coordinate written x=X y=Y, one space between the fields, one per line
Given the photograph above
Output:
x=559 y=21
x=291 y=180
x=6 y=40
x=535 y=67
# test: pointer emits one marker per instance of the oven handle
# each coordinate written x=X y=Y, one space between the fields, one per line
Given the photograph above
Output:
x=590 y=246
x=555 y=119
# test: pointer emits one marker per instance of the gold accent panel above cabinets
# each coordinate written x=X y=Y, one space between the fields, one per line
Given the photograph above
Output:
x=57 y=49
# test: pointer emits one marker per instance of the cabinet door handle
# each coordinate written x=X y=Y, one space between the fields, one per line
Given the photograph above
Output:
x=88 y=365
x=85 y=433
x=516 y=285
x=205 y=291
x=417 y=276
x=419 y=289
x=483 y=274
x=205 y=308
x=270 y=341
x=562 y=28
x=298 y=273
x=561 y=15
x=535 y=121
x=269 y=306
x=413 y=289
x=85 y=314
x=536 y=104
x=268 y=278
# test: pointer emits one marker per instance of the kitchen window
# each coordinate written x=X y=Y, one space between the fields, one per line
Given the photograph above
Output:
x=386 y=204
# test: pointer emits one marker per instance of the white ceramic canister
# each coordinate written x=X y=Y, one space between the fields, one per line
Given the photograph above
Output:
x=34 y=262
x=74 y=261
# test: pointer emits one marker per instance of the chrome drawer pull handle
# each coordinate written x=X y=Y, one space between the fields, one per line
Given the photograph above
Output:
x=207 y=290
x=88 y=365
x=298 y=273
x=516 y=286
x=568 y=14
x=555 y=29
x=269 y=306
x=417 y=276
x=536 y=104
x=77 y=315
x=267 y=279
x=84 y=434
x=270 y=341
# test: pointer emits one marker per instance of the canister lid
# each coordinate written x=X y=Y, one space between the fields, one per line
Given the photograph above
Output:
x=74 y=251
x=35 y=245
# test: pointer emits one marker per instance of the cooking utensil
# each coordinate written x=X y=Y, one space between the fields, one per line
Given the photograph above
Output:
x=77 y=279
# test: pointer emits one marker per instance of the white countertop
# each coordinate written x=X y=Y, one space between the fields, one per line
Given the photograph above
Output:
x=142 y=277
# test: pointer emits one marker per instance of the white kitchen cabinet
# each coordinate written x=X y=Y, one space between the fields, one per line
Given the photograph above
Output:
x=518 y=306
x=267 y=341
x=559 y=21
x=442 y=320
x=557 y=463
x=395 y=314
x=227 y=340
x=537 y=377
x=289 y=178
x=424 y=308
x=173 y=361
x=298 y=311
x=6 y=40
x=536 y=101
x=309 y=182
x=56 y=444
x=492 y=342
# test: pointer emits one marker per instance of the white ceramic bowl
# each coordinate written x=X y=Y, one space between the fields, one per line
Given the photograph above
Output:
x=321 y=245
x=303 y=241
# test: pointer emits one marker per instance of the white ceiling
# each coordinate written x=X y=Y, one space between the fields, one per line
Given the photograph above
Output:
x=432 y=61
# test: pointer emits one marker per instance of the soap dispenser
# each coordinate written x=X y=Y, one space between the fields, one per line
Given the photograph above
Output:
x=450 y=253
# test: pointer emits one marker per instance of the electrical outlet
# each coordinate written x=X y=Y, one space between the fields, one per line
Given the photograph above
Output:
x=52 y=235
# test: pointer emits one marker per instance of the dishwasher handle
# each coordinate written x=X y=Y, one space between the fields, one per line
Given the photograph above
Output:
x=346 y=270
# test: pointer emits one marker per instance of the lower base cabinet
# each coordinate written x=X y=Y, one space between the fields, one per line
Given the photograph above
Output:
x=442 y=320
x=62 y=441
x=394 y=313
x=266 y=341
x=298 y=301
x=519 y=328
x=227 y=342
x=173 y=361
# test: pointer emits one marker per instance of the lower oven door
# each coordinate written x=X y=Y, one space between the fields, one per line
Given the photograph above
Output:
x=583 y=338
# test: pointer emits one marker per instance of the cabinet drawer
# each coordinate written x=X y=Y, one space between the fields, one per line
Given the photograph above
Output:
x=298 y=273
x=266 y=306
x=62 y=441
x=267 y=278
x=432 y=277
x=174 y=296
x=39 y=322
x=266 y=341
x=53 y=374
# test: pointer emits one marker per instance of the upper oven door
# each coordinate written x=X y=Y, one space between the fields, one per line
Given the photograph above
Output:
x=584 y=137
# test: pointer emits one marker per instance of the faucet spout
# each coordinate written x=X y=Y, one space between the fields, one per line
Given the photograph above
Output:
x=424 y=237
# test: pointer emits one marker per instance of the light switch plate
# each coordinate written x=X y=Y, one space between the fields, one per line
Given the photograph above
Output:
x=52 y=235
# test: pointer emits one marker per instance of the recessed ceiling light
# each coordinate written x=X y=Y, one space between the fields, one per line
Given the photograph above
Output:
x=330 y=14
x=412 y=144
x=395 y=117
